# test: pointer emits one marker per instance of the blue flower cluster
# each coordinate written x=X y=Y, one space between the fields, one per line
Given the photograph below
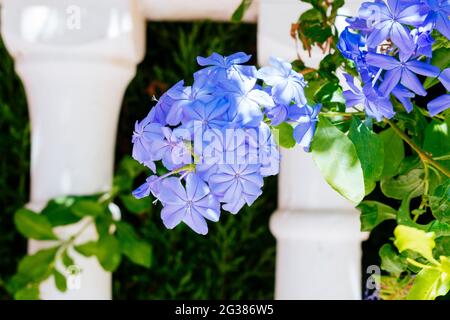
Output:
x=215 y=138
x=391 y=44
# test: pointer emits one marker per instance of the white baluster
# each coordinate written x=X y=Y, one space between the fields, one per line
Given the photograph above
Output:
x=317 y=231
x=76 y=59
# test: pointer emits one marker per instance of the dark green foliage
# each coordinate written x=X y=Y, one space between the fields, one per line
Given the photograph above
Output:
x=14 y=165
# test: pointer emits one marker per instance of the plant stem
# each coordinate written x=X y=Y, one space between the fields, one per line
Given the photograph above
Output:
x=342 y=114
x=447 y=157
x=424 y=156
x=418 y=264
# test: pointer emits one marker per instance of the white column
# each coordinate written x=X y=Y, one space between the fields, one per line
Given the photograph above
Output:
x=182 y=10
x=317 y=231
x=76 y=59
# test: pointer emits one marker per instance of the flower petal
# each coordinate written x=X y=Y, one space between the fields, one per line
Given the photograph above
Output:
x=422 y=68
x=439 y=104
x=172 y=192
x=196 y=222
x=391 y=79
x=382 y=61
x=172 y=215
x=410 y=80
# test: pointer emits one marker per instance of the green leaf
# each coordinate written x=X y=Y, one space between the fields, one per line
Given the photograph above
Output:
x=429 y=284
x=239 y=13
x=87 y=249
x=440 y=229
x=329 y=93
x=442 y=246
x=106 y=249
x=336 y=157
x=411 y=183
x=128 y=170
x=370 y=150
x=103 y=225
x=30 y=292
x=335 y=5
x=60 y=281
x=313 y=28
x=445 y=264
x=314 y=85
x=37 y=267
x=67 y=260
x=33 y=225
x=108 y=253
x=373 y=213
x=440 y=59
x=404 y=215
x=138 y=251
x=394 y=152
x=440 y=202
x=284 y=135
x=136 y=206
x=85 y=208
x=408 y=238
x=437 y=140
x=391 y=261
x=58 y=212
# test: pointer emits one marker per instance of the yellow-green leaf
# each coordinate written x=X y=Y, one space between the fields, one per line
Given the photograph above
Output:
x=408 y=238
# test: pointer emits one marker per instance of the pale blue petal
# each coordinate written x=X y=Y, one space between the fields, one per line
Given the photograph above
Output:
x=439 y=104
x=410 y=81
x=382 y=61
x=422 y=68
x=445 y=78
x=390 y=81
x=196 y=222
x=172 y=215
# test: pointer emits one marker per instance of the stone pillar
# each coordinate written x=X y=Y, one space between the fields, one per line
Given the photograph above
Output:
x=317 y=231
x=75 y=58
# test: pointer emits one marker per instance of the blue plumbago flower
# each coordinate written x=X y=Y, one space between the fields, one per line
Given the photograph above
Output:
x=144 y=133
x=350 y=45
x=228 y=145
x=423 y=41
x=281 y=113
x=403 y=71
x=362 y=25
x=172 y=148
x=375 y=105
x=263 y=150
x=151 y=185
x=444 y=77
x=246 y=102
x=237 y=185
x=278 y=114
x=287 y=85
x=220 y=68
x=184 y=97
x=213 y=140
x=439 y=104
x=206 y=115
x=306 y=125
x=437 y=16
x=404 y=96
x=191 y=205
x=389 y=20
x=158 y=114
